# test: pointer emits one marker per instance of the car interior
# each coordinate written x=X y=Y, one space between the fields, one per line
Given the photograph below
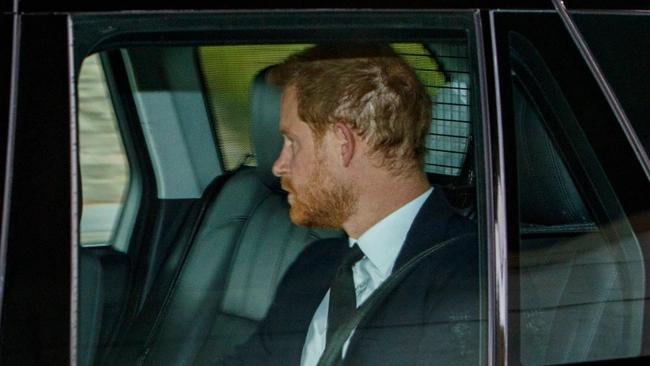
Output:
x=204 y=235
x=216 y=279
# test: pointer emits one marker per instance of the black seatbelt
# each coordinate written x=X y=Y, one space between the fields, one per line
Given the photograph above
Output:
x=332 y=354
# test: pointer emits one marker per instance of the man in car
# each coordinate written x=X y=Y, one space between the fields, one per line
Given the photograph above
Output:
x=354 y=120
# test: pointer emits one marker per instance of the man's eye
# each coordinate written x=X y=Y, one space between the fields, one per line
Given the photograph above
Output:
x=289 y=142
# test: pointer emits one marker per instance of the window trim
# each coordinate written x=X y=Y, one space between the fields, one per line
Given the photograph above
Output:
x=139 y=194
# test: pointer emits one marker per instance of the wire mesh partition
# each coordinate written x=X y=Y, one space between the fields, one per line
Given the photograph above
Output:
x=444 y=69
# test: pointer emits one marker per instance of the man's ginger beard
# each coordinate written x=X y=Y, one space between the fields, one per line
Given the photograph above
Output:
x=322 y=201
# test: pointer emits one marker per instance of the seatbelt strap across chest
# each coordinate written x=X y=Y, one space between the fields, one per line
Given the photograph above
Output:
x=332 y=354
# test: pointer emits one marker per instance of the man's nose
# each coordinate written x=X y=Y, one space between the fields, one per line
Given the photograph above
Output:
x=280 y=165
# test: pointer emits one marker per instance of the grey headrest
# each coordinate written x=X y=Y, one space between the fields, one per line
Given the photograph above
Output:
x=265 y=122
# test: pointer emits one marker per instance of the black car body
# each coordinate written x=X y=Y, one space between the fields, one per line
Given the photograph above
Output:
x=554 y=165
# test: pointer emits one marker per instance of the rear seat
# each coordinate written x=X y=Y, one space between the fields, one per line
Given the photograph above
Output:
x=232 y=265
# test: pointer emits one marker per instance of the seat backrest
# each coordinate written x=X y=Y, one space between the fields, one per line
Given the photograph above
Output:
x=228 y=274
x=576 y=300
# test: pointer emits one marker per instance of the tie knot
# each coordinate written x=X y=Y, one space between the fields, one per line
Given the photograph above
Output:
x=353 y=255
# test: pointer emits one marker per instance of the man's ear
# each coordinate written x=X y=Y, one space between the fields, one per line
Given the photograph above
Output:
x=346 y=139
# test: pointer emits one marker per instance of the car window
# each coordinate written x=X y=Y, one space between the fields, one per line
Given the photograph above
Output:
x=102 y=158
x=245 y=270
x=579 y=266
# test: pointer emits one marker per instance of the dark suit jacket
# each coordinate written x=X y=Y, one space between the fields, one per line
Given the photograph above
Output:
x=432 y=317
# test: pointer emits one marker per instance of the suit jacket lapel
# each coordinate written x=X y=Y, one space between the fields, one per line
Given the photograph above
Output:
x=428 y=228
x=407 y=303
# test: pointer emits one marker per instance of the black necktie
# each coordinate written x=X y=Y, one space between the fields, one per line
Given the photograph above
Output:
x=343 y=298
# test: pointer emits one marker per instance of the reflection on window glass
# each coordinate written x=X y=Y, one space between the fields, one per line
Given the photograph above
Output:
x=579 y=267
x=104 y=168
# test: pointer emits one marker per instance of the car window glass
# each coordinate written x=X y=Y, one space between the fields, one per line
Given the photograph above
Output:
x=579 y=268
x=102 y=158
x=208 y=266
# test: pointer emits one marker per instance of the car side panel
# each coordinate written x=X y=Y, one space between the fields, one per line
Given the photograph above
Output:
x=37 y=307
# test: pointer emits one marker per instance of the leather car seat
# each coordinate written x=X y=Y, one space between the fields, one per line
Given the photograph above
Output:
x=224 y=280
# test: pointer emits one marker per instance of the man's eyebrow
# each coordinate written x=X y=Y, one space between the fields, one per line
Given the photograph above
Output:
x=285 y=132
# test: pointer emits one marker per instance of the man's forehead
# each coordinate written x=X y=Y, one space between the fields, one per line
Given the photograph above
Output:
x=287 y=110
x=284 y=120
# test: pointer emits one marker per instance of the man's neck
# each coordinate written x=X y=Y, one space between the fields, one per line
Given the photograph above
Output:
x=378 y=200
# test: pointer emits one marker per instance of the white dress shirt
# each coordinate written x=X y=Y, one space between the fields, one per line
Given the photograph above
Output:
x=380 y=244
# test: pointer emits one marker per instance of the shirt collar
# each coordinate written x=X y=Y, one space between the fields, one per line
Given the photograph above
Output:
x=384 y=240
